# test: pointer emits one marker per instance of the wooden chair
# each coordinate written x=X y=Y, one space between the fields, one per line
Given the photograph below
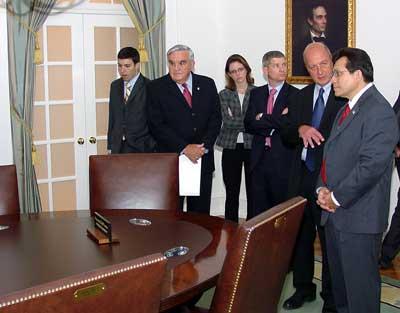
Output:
x=9 y=202
x=133 y=286
x=134 y=181
x=257 y=262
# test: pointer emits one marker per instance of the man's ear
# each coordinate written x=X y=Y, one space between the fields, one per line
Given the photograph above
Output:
x=310 y=22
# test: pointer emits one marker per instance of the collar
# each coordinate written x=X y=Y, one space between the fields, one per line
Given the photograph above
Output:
x=315 y=35
x=132 y=82
x=353 y=101
x=277 y=87
x=189 y=84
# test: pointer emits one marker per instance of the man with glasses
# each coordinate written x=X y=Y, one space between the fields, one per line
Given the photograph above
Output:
x=354 y=184
x=269 y=158
x=185 y=117
x=309 y=122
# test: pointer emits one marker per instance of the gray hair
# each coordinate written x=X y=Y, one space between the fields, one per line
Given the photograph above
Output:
x=181 y=48
x=270 y=55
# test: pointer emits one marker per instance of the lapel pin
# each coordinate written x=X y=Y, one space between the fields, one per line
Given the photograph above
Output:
x=198 y=88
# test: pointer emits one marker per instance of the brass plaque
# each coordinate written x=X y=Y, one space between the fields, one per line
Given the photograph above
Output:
x=90 y=291
x=279 y=221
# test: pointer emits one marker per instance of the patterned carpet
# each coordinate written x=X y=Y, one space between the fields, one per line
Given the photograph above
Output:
x=390 y=287
x=390 y=295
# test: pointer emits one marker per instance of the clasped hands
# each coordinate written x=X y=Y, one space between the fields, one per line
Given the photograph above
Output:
x=310 y=136
x=325 y=200
x=194 y=152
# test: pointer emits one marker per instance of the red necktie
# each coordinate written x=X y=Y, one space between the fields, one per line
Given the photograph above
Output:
x=323 y=172
x=270 y=107
x=345 y=112
x=186 y=94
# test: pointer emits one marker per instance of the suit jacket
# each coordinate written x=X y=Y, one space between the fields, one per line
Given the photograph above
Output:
x=359 y=163
x=232 y=118
x=396 y=108
x=300 y=113
x=263 y=127
x=174 y=124
x=137 y=132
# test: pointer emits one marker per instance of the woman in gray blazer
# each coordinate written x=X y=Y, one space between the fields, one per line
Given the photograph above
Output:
x=235 y=142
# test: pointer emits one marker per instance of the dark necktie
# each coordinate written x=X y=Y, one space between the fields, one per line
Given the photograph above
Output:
x=319 y=39
x=345 y=113
x=319 y=108
x=186 y=94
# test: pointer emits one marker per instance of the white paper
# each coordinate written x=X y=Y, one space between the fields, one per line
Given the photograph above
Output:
x=189 y=176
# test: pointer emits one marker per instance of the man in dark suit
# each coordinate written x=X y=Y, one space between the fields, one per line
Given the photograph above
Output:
x=185 y=117
x=127 y=120
x=317 y=22
x=391 y=243
x=269 y=157
x=309 y=122
x=354 y=185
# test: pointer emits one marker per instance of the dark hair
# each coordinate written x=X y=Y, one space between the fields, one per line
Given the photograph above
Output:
x=357 y=59
x=270 y=55
x=230 y=84
x=129 y=53
x=312 y=6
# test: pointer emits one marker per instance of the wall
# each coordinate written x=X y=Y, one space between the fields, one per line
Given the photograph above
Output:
x=216 y=29
x=6 y=156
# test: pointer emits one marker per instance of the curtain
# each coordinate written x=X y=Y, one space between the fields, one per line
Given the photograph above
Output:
x=148 y=17
x=24 y=19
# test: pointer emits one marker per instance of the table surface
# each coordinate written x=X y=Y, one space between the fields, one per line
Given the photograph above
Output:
x=44 y=247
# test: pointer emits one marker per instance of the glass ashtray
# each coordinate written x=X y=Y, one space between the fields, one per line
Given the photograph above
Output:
x=176 y=251
x=140 y=221
x=2 y=227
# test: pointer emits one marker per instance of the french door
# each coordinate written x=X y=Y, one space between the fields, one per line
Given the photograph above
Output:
x=71 y=101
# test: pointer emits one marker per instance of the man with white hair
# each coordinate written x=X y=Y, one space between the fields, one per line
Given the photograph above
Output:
x=185 y=117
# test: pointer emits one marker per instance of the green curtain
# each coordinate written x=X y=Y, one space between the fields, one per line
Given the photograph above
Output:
x=24 y=19
x=148 y=17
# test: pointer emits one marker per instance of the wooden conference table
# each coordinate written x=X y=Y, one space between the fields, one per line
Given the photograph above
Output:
x=44 y=247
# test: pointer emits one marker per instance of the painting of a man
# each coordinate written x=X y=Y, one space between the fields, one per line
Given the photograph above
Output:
x=317 y=21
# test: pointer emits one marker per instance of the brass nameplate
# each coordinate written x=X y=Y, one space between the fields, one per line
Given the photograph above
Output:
x=279 y=222
x=90 y=291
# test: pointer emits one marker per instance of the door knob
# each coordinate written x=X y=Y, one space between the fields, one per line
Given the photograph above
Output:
x=80 y=141
x=92 y=140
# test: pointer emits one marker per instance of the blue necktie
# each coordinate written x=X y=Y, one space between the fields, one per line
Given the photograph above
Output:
x=319 y=108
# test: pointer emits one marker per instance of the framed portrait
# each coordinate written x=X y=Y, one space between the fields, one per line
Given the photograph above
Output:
x=329 y=21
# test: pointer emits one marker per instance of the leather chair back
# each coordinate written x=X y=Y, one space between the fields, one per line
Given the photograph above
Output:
x=256 y=264
x=9 y=202
x=134 y=181
x=133 y=286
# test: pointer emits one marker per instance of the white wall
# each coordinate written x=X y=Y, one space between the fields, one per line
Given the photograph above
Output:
x=216 y=29
x=6 y=156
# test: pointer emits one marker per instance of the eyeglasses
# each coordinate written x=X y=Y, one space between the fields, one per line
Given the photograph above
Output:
x=239 y=70
x=337 y=73
x=321 y=66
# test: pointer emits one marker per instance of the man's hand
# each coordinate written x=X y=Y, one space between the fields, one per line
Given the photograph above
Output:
x=259 y=116
x=310 y=136
x=325 y=200
x=397 y=152
x=194 y=152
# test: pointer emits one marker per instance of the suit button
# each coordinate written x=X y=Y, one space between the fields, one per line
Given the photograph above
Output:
x=193 y=114
x=195 y=129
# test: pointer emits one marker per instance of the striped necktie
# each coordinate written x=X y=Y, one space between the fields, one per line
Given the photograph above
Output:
x=128 y=89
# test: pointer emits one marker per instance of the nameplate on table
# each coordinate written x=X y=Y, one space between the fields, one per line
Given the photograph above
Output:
x=102 y=231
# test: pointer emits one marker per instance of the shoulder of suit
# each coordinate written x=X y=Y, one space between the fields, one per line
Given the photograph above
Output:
x=202 y=79
x=226 y=92
x=161 y=81
x=116 y=82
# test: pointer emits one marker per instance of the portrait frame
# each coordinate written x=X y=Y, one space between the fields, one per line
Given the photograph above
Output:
x=342 y=29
